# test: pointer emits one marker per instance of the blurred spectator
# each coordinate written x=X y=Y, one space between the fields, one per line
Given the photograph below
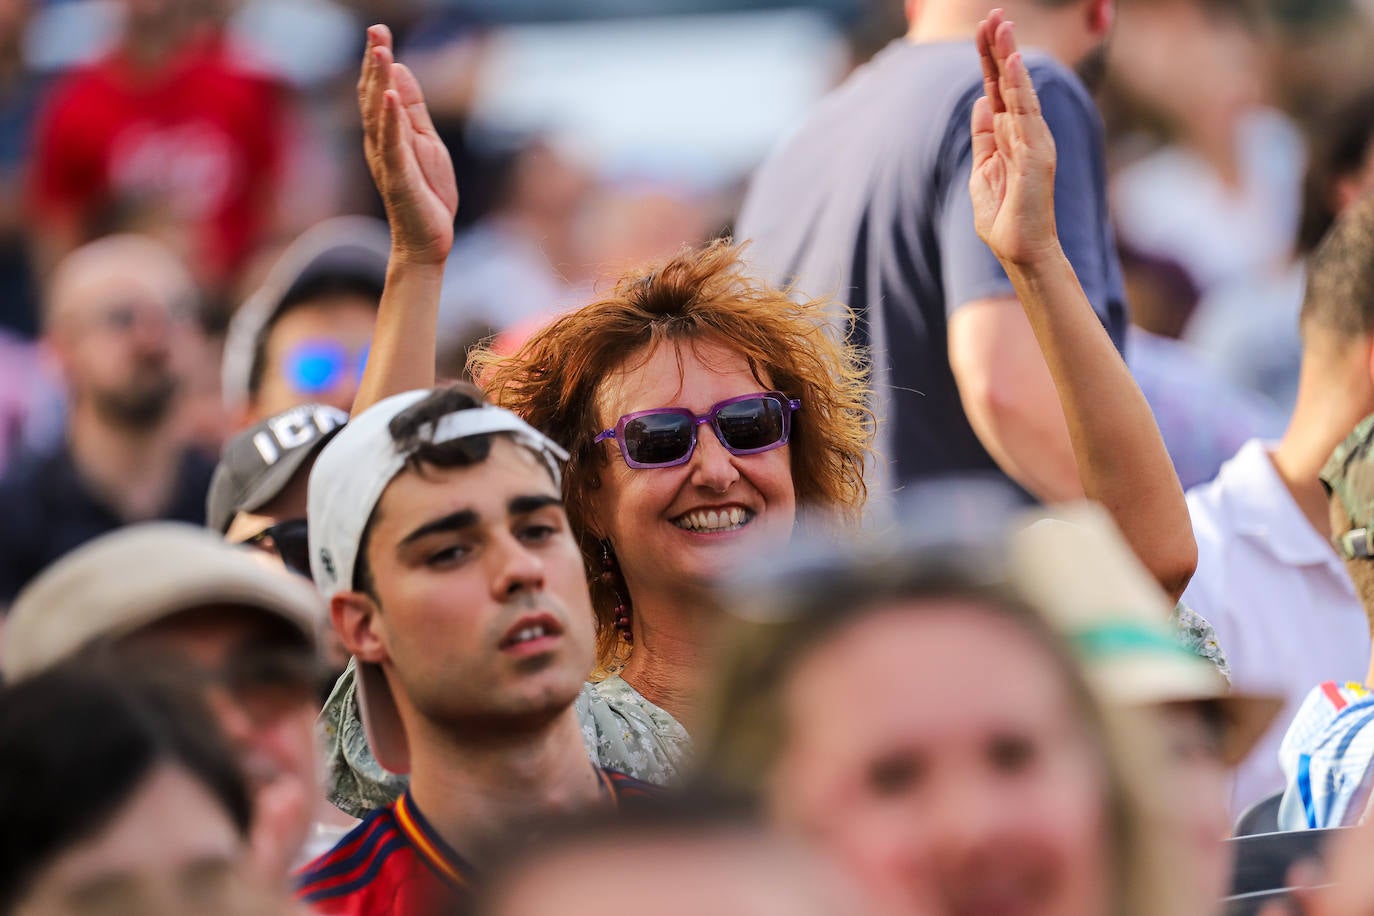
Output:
x=119 y=798
x=1249 y=330
x=686 y=857
x=168 y=125
x=247 y=630
x=257 y=496
x=864 y=699
x=303 y=337
x=1221 y=198
x=1327 y=753
x=1078 y=571
x=869 y=202
x=1201 y=433
x=20 y=91
x=119 y=322
x=519 y=264
x=1282 y=603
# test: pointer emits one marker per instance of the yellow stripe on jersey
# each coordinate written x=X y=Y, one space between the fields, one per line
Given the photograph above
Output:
x=422 y=843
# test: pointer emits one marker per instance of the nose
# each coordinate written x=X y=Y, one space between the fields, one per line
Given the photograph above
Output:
x=517 y=568
x=713 y=467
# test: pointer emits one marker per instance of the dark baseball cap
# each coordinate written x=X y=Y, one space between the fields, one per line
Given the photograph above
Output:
x=1349 y=476
x=259 y=462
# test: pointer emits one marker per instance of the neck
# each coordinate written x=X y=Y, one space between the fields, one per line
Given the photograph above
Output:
x=472 y=793
x=1325 y=414
x=668 y=657
x=133 y=470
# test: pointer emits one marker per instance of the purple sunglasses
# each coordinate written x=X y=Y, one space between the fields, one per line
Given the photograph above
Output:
x=667 y=436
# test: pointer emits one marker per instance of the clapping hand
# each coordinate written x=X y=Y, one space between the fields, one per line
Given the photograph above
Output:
x=1013 y=153
x=409 y=163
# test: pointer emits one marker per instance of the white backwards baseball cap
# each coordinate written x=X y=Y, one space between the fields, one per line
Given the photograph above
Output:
x=348 y=479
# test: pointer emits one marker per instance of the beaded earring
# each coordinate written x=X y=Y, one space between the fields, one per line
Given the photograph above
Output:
x=611 y=579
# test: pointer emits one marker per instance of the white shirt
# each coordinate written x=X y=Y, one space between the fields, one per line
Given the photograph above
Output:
x=1285 y=611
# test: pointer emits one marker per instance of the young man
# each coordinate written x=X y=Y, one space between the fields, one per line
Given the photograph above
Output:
x=438 y=534
x=1329 y=748
x=1284 y=608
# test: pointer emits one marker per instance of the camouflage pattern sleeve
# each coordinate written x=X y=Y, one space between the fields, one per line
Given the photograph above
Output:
x=1199 y=637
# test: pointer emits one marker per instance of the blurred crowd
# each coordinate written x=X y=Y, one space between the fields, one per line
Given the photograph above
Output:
x=952 y=495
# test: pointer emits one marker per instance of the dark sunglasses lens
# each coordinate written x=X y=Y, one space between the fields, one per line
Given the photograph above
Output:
x=753 y=424
x=658 y=438
x=293 y=546
x=312 y=369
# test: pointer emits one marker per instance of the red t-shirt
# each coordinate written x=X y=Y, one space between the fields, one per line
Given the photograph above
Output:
x=395 y=864
x=201 y=139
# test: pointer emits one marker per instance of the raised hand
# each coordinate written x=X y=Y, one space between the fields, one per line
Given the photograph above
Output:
x=409 y=163
x=1013 y=153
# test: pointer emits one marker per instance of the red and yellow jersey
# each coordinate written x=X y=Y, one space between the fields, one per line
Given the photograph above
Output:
x=395 y=863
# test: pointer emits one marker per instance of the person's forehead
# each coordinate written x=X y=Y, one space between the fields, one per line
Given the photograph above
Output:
x=419 y=495
x=951 y=647
x=694 y=373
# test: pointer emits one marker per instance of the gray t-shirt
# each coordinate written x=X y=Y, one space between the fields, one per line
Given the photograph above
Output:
x=868 y=202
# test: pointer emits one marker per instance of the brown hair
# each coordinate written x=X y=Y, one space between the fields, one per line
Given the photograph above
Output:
x=1340 y=277
x=703 y=293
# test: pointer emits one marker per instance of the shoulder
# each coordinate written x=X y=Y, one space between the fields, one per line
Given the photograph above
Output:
x=355 y=862
x=625 y=732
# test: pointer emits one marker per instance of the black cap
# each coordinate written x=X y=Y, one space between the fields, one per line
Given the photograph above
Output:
x=259 y=462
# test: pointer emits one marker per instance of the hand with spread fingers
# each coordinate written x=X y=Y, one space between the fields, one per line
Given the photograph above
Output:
x=409 y=163
x=1013 y=153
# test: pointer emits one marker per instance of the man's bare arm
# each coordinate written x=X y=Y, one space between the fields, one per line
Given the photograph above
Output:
x=1010 y=398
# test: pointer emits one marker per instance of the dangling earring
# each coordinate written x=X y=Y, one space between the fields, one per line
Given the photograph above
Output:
x=611 y=579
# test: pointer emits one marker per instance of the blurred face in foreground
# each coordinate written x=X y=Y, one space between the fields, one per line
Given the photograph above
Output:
x=170 y=849
x=723 y=872
x=936 y=750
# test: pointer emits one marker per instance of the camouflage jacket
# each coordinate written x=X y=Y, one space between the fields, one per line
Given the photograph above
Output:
x=622 y=730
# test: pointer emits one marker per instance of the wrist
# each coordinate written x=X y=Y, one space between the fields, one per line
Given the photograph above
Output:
x=1032 y=261
x=415 y=262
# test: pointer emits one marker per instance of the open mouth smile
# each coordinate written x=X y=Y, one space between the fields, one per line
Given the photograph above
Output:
x=714 y=521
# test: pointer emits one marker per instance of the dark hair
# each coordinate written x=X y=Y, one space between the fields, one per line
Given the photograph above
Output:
x=1341 y=144
x=410 y=431
x=78 y=740
x=324 y=286
x=1340 y=277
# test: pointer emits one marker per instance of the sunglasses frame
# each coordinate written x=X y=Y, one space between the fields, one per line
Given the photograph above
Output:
x=789 y=406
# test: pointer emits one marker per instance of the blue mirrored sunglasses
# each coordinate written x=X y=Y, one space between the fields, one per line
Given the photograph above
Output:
x=316 y=366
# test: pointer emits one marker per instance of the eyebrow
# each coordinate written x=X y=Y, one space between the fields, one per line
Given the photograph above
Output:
x=468 y=518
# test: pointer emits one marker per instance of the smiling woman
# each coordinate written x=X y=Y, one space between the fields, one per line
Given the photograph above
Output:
x=688 y=345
